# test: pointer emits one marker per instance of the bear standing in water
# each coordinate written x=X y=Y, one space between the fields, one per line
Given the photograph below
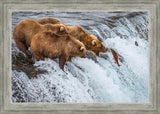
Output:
x=48 y=44
x=25 y=30
x=90 y=42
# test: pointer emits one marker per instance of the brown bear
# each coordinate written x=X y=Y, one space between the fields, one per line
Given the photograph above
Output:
x=25 y=30
x=90 y=42
x=49 y=44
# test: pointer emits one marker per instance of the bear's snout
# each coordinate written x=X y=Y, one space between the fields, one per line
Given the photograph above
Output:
x=104 y=49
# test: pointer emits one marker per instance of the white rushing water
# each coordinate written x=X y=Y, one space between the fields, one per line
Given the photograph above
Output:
x=91 y=79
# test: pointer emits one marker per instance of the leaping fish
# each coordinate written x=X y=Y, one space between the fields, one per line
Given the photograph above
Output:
x=115 y=57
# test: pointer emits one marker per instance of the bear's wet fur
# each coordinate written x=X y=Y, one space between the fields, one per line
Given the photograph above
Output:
x=25 y=30
x=48 y=44
x=49 y=20
x=91 y=43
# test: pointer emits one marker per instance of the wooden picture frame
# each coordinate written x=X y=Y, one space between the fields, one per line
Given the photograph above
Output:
x=8 y=6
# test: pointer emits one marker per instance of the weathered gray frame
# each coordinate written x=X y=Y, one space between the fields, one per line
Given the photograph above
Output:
x=8 y=6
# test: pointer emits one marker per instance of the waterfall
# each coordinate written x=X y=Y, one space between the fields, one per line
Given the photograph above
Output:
x=91 y=79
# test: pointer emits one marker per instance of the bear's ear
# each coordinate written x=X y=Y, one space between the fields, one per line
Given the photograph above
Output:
x=61 y=28
x=92 y=35
x=93 y=42
x=82 y=49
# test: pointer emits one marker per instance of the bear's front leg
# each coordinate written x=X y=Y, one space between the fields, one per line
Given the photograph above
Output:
x=70 y=58
x=38 y=56
x=62 y=61
x=23 y=47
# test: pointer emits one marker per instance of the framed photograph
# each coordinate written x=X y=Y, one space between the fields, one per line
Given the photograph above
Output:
x=80 y=57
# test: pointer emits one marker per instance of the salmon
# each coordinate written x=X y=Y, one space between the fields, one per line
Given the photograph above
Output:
x=115 y=57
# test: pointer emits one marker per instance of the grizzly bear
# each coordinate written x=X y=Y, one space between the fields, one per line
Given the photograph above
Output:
x=48 y=44
x=90 y=42
x=25 y=30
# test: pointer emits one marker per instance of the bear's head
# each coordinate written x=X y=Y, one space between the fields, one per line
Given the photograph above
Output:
x=94 y=45
x=76 y=48
x=90 y=42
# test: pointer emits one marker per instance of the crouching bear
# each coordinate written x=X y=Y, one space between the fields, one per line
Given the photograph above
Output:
x=25 y=30
x=47 y=44
x=90 y=42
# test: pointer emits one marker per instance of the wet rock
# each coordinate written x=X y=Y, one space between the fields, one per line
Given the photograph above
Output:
x=136 y=43
x=137 y=29
x=115 y=17
x=90 y=55
x=21 y=63
x=104 y=55
x=111 y=25
x=130 y=15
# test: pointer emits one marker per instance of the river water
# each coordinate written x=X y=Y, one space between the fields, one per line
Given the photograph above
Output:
x=91 y=79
